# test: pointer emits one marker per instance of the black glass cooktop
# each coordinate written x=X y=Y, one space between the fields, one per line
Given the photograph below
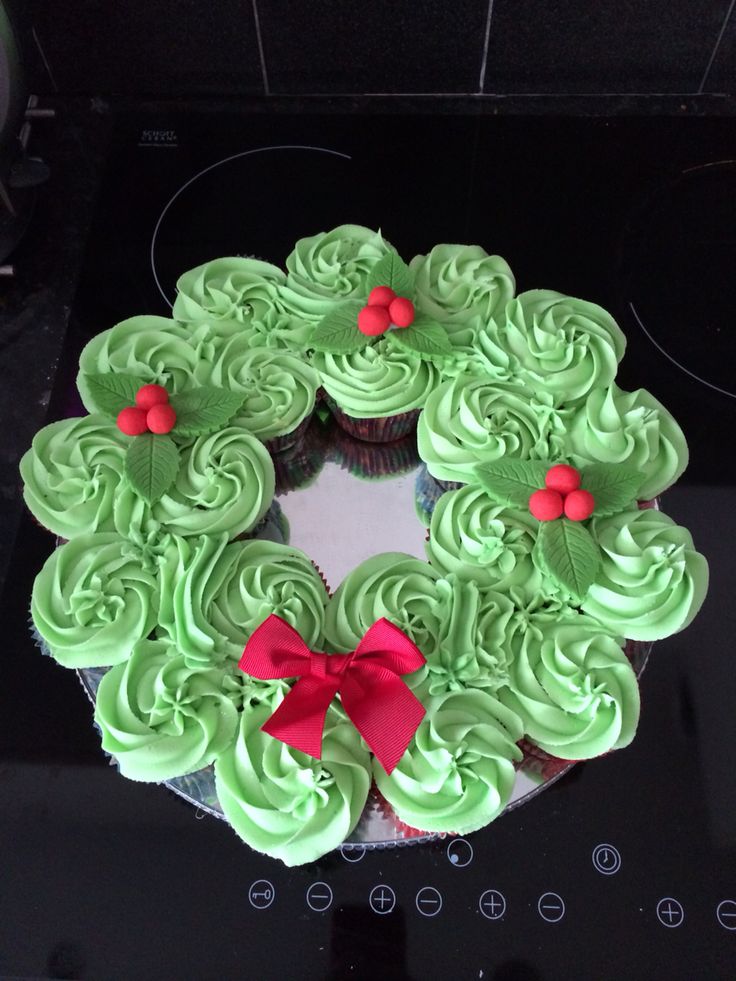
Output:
x=624 y=868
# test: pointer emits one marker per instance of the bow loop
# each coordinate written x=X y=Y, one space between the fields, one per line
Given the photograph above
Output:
x=380 y=705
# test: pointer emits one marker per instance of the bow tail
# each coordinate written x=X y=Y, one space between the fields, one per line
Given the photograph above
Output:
x=386 y=713
x=300 y=718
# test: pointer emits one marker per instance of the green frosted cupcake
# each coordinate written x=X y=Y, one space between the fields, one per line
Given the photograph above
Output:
x=458 y=772
x=160 y=718
x=151 y=349
x=93 y=600
x=72 y=473
x=472 y=419
x=287 y=804
x=279 y=389
x=574 y=689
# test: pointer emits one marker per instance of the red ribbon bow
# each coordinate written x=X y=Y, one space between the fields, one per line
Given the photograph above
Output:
x=383 y=709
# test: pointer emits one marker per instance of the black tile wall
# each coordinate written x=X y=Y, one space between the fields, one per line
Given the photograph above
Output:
x=159 y=47
x=350 y=46
x=604 y=46
x=722 y=75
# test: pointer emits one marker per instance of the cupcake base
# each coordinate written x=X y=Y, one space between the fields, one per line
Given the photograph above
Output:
x=380 y=429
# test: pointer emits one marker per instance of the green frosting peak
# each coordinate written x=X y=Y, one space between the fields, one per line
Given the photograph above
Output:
x=455 y=283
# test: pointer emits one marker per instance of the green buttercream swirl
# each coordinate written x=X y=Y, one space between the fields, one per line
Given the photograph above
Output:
x=380 y=380
x=481 y=541
x=152 y=349
x=455 y=283
x=458 y=771
x=230 y=290
x=225 y=483
x=392 y=585
x=160 y=718
x=471 y=419
x=631 y=428
x=279 y=388
x=287 y=804
x=328 y=268
x=574 y=689
x=217 y=594
x=93 y=601
x=651 y=582
x=71 y=474
x=559 y=344
x=470 y=650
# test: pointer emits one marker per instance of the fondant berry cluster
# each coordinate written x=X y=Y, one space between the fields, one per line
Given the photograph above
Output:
x=150 y=414
x=561 y=494
x=383 y=309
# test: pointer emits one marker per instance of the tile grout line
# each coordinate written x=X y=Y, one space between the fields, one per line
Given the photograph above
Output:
x=484 y=60
x=714 y=52
x=264 y=73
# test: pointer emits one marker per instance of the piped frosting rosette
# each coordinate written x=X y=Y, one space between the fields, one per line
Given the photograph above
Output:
x=279 y=388
x=216 y=595
x=630 y=428
x=160 y=717
x=236 y=296
x=572 y=685
x=558 y=344
x=153 y=349
x=93 y=600
x=284 y=803
x=458 y=772
x=483 y=542
x=472 y=419
x=652 y=581
x=225 y=482
x=326 y=269
x=72 y=473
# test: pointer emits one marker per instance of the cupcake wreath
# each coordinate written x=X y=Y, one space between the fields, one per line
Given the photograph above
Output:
x=210 y=639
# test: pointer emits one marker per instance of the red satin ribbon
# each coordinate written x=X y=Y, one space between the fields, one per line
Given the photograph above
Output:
x=383 y=709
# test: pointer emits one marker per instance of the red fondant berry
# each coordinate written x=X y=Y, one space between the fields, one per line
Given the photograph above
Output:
x=562 y=478
x=161 y=418
x=401 y=311
x=373 y=320
x=546 y=505
x=381 y=296
x=579 y=505
x=132 y=421
x=150 y=395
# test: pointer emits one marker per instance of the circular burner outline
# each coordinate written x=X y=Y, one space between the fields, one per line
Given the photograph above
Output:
x=206 y=170
x=715 y=388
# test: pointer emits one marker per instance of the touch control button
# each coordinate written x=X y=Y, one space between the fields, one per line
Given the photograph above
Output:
x=319 y=897
x=460 y=853
x=261 y=894
x=670 y=912
x=606 y=859
x=726 y=914
x=551 y=907
x=382 y=899
x=492 y=904
x=429 y=901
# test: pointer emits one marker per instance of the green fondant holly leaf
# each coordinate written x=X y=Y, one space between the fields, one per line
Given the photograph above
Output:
x=203 y=410
x=151 y=465
x=391 y=270
x=511 y=482
x=569 y=555
x=112 y=392
x=425 y=337
x=337 y=332
x=613 y=487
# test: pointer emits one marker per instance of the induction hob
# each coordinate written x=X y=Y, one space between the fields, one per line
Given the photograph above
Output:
x=626 y=866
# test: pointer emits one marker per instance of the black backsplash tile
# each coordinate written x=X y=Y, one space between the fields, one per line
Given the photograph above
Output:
x=569 y=46
x=162 y=47
x=722 y=74
x=385 y=46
